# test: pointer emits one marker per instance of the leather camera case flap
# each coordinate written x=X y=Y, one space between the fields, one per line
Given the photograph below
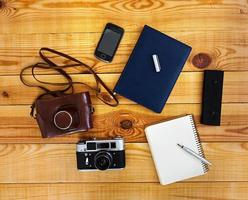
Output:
x=47 y=108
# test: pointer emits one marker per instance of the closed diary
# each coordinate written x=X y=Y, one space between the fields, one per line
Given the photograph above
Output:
x=139 y=80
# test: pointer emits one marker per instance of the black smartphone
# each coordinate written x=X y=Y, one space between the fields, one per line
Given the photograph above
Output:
x=109 y=42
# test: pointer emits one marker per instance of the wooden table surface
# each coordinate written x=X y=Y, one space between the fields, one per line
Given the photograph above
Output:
x=42 y=169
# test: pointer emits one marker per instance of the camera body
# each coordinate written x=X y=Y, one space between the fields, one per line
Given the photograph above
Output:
x=95 y=155
x=64 y=115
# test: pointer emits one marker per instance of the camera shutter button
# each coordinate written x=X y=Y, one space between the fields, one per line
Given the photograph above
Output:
x=62 y=120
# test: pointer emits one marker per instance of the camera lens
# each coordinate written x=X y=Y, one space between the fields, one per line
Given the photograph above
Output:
x=103 y=160
x=62 y=120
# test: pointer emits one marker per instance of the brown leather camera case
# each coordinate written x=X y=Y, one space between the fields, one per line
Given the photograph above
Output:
x=78 y=104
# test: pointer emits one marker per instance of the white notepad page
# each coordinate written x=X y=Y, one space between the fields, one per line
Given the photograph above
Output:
x=172 y=162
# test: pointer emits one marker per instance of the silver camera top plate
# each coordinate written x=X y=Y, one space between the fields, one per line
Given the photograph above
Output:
x=116 y=144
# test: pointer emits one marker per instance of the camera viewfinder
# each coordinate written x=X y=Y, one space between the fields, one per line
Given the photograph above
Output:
x=91 y=146
x=103 y=145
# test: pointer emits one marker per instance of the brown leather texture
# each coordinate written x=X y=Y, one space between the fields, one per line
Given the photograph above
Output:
x=77 y=106
x=108 y=97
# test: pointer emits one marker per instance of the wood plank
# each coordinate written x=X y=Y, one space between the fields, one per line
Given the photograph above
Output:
x=32 y=169
x=52 y=163
x=125 y=191
x=188 y=88
x=16 y=126
x=72 y=16
x=227 y=50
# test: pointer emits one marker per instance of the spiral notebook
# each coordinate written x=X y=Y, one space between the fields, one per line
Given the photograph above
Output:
x=173 y=163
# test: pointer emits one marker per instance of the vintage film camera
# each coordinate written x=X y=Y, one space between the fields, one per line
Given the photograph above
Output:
x=100 y=154
x=64 y=115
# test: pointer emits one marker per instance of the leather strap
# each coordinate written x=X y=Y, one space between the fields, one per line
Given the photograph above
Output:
x=67 y=87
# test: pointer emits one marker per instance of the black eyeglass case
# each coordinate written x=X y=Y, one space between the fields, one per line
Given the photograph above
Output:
x=212 y=97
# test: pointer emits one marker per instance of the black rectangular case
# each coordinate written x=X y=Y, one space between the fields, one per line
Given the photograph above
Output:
x=212 y=97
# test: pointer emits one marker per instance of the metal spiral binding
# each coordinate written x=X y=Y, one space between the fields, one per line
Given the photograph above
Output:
x=198 y=143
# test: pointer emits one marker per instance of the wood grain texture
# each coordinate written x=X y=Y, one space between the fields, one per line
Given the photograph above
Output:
x=188 y=88
x=90 y=16
x=125 y=191
x=53 y=163
x=43 y=170
x=227 y=49
x=16 y=126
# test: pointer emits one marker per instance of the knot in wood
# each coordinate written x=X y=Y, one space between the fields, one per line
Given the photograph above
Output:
x=5 y=94
x=201 y=60
x=126 y=124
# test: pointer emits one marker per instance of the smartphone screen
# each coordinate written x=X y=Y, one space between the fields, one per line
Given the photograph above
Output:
x=109 y=42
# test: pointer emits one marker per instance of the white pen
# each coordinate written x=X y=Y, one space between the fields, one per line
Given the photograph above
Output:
x=195 y=154
x=156 y=62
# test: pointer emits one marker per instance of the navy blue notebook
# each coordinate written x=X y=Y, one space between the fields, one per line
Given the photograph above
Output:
x=140 y=82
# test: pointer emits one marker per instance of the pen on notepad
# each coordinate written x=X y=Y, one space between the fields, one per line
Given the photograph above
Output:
x=194 y=154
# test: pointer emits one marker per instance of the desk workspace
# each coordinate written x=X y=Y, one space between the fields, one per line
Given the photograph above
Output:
x=129 y=100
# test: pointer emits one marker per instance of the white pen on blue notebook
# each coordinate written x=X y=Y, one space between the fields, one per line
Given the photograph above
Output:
x=156 y=62
x=195 y=154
